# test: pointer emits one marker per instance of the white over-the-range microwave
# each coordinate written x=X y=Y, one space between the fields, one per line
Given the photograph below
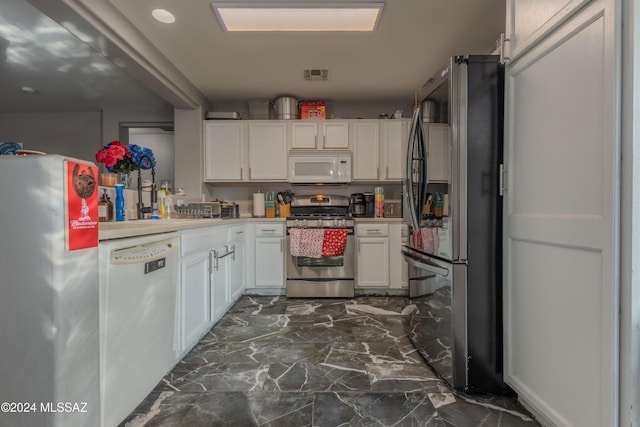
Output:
x=319 y=167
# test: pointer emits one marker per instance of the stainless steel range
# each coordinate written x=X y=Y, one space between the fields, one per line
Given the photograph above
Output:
x=326 y=276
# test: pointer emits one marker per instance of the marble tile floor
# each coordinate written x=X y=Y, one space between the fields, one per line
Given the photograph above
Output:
x=274 y=361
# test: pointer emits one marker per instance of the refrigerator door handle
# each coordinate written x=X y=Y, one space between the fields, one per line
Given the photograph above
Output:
x=423 y=264
x=416 y=165
x=409 y=171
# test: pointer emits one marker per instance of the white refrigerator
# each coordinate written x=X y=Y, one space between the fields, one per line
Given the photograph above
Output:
x=49 y=356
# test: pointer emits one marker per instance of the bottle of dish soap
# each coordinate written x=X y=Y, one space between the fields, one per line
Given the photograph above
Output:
x=120 y=202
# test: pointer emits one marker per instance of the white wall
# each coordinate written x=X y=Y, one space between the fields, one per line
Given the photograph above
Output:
x=188 y=134
x=77 y=135
x=112 y=119
x=161 y=143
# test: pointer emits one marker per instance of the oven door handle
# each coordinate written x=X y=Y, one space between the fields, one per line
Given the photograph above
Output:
x=424 y=264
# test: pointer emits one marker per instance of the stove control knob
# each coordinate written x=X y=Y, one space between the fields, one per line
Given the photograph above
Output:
x=304 y=222
x=335 y=222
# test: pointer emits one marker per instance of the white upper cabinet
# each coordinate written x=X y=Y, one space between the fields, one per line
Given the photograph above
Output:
x=268 y=150
x=393 y=149
x=365 y=137
x=225 y=151
x=335 y=134
x=439 y=152
x=531 y=21
x=320 y=134
x=304 y=135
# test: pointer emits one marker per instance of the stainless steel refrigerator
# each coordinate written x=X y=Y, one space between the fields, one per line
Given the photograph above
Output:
x=453 y=207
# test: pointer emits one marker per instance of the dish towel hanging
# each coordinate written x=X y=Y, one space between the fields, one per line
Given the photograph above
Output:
x=426 y=239
x=335 y=240
x=306 y=242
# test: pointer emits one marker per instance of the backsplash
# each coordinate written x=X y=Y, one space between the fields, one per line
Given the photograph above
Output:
x=242 y=193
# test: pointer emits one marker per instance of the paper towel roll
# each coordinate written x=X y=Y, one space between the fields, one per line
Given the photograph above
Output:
x=258 y=204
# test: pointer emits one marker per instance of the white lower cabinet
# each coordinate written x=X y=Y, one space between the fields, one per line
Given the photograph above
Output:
x=212 y=277
x=269 y=255
x=195 y=311
x=398 y=267
x=372 y=259
x=238 y=262
x=220 y=281
x=196 y=285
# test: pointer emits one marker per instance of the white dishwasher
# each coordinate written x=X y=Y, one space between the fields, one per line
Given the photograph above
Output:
x=138 y=319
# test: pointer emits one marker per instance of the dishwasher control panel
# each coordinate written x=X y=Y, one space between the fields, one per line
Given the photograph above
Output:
x=144 y=253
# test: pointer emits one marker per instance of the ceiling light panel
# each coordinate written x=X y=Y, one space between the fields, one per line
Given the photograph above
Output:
x=298 y=16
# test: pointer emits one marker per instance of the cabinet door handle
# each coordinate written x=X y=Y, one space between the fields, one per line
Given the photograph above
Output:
x=387 y=173
x=358 y=246
x=241 y=173
x=215 y=260
x=377 y=172
x=281 y=249
x=249 y=173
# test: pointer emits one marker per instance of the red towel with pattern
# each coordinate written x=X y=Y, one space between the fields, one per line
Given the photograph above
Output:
x=306 y=242
x=426 y=239
x=335 y=240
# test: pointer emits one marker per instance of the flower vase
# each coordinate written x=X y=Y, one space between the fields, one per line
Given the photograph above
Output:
x=123 y=178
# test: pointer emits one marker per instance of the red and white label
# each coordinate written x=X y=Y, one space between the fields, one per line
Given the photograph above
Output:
x=81 y=228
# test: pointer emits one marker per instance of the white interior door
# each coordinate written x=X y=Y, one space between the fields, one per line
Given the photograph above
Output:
x=561 y=215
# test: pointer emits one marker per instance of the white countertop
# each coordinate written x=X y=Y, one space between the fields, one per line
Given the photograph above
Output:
x=124 y=229
x=134 y=228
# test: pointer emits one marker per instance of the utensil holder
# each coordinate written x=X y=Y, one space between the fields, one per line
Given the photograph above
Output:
x=285 y=211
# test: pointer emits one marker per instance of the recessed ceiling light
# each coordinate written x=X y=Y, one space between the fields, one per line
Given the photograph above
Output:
x=298 y=16
x=163 y=16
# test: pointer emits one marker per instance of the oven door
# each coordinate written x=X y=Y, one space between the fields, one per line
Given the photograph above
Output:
x=322 y=277
x=325 y=268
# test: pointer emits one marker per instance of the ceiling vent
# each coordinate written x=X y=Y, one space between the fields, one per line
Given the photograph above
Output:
x=316 y=75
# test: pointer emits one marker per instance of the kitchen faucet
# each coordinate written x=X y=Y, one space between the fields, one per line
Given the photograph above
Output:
x=154 y=196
